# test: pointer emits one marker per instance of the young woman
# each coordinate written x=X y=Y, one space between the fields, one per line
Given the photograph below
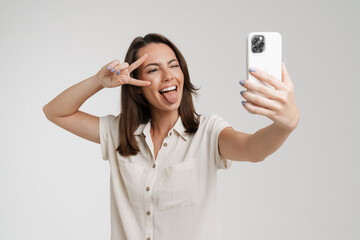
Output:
x=163 y=156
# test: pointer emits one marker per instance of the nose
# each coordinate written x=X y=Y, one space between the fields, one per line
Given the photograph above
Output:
x=167 y=76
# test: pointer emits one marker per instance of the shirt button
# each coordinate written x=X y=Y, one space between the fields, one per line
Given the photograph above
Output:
x=170 y=133
x=148 y=213
x=154 y=165
x=165 y=144
x=148 y=239
x=147 y=188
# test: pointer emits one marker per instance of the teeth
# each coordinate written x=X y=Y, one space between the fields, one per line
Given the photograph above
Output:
x=168 y=89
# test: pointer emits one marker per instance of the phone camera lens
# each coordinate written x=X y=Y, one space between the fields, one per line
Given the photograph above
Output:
x=255 y=39
x=254 y=49
x=261 y=44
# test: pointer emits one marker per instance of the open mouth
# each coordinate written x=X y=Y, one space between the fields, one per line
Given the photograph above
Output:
x=170 y=94
x=168 y=89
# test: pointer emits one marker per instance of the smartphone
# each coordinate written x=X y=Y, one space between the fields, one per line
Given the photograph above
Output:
x=264 y=51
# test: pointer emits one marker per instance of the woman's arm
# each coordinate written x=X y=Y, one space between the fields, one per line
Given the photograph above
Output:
x=70 y=100
x=255 y=147
x=111 y=75
x=63 y=110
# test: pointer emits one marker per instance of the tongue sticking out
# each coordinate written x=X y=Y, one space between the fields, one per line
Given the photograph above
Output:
x=171 y=96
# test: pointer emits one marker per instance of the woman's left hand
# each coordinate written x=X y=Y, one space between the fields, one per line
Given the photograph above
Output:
x=278 y=104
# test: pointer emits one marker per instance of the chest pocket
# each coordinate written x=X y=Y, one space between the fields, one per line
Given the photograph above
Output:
x=132 y=174
x=178 y=186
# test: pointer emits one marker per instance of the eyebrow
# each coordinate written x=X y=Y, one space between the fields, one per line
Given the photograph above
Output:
x=157 y=64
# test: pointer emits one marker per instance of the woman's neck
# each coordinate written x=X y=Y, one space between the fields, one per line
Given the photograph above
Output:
x=162 y=122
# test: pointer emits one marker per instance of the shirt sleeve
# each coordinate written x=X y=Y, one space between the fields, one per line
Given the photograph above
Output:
x=218 y=125
x=106 y=125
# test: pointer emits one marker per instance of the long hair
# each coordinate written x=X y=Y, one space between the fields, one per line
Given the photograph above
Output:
x=135 y=108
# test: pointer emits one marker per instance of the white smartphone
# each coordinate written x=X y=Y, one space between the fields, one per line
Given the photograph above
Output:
x=264 y=51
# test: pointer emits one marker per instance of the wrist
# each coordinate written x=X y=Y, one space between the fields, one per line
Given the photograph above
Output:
x=97 y=82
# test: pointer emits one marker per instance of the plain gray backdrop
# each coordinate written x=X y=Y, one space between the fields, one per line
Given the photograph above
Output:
x=54 y=184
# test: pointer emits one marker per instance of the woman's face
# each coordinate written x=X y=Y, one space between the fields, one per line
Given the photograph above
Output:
x=162 y=68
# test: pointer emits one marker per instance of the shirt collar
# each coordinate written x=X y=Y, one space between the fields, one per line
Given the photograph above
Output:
x=178 y=127
x=140 y=128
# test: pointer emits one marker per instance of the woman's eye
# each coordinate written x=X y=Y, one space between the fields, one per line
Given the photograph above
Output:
x=152 y=70
x=155 y=69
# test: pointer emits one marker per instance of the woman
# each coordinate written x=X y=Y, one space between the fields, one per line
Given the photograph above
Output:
x=164 y=156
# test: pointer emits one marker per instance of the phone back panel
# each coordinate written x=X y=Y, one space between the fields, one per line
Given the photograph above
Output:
x=269 y=60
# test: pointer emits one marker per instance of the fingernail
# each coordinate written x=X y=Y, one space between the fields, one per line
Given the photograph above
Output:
x=108 y=68
x=242 y=92
x=252 y=69
x=150 y=84
x=243 y=102
x=113 y=70
x=242 y=82
x=118 y=72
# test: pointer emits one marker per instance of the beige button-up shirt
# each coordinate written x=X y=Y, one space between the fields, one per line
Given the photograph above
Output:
x=172 y=198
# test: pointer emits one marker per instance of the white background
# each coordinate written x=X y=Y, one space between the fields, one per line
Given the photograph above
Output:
x=54 y=184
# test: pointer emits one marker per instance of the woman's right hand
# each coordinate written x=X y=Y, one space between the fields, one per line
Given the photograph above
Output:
x=115 y=74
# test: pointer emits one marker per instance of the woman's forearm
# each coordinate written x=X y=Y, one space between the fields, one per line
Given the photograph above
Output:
x=70 y=100
x=266 y=141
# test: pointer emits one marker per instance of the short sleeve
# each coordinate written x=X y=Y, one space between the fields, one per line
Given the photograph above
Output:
x=107 y=126
x=218 y=125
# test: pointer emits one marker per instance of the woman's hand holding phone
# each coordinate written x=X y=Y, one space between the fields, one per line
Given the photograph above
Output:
x=278 y=104
x=115 y=74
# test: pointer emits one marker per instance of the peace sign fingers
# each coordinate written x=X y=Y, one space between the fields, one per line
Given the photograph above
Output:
x=118 y=74
x=137 y=82
x=137 y=63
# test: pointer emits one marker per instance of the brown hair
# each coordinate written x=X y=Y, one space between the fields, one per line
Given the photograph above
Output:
x=134 y=106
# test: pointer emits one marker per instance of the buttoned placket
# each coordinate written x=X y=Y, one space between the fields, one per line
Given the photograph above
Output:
x=149 y=204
